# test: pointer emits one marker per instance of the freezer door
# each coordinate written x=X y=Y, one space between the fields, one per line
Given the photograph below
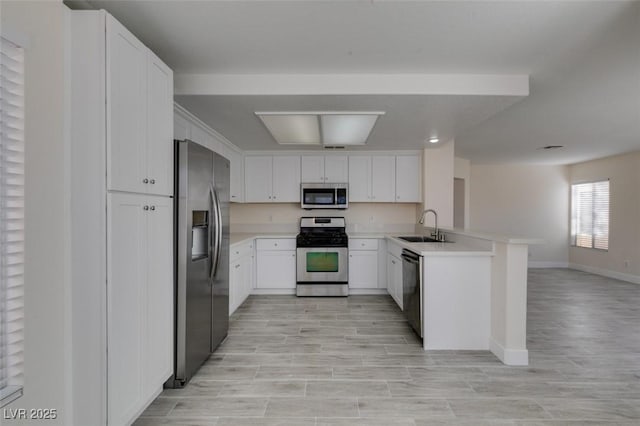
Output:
x=194 y=223
x=220 y=269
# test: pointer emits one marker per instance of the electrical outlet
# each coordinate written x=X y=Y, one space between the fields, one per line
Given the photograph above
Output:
x=626 y=263
x=270 y=218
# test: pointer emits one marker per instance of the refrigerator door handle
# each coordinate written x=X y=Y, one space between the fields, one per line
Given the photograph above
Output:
x=213 y=231
x=218 y=233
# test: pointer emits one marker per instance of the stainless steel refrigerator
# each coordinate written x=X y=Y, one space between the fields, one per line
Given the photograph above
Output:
x=202 y=256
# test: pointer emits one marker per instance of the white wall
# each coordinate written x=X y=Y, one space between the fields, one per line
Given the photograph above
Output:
x=438 y=165
x=46 y=337
x=525 y=200
x=360 y=217
x=462 y=170
x=624 y=217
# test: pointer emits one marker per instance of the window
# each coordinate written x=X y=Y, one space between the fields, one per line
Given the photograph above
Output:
x=590 y=215
x=11 y=219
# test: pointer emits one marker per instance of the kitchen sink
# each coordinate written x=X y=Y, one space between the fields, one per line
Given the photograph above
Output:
x=419 y=239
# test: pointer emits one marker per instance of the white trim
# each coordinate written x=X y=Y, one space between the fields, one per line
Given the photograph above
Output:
x=635 y=279
x=541 y=265
x=273 y=291
x=368 y=291
x=330 y=152
x=515 y=357
x=352 y=84
x=177 y=108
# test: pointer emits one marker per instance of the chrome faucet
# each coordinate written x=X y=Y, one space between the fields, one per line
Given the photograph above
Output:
x=436 y=233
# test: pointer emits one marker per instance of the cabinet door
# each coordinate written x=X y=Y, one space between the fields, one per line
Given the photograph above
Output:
x=391 y=265
x=126 y=110
x=235 y=285
x=286 y=179
x=397 y=279
x=159 y=126
x=237 y=176
x=359 y=178
x=158 y=356
x=276 y=269
x=394 y=274
x=383 y=178
x=126 y=305
x=363 y=269
x=408 y=179
x=336 y=169
x=247 y=277
x=312 y=169
x=258 y=179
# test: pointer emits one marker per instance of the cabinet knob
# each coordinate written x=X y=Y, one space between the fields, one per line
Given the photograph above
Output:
x=145 y=208
x=397 y=197
x=269 y=196
x=145 y=180
x=152 y=181
x=237 y=266
x=275 y=244
x=393 y=261
x=153 y=207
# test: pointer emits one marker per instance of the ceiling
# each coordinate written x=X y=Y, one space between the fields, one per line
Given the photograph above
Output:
x=582 y=58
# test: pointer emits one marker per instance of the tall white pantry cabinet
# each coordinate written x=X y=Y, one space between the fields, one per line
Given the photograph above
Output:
x=121 y=186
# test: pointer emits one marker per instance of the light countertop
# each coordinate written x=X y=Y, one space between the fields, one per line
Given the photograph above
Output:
x=423 y=249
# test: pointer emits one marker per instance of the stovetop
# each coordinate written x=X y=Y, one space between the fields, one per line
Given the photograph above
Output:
x=322 y=232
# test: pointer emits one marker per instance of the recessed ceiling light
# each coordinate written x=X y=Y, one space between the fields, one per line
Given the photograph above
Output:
x=434 y=140
x=320 y=127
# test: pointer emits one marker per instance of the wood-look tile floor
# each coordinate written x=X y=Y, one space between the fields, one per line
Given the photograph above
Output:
x=354 y=361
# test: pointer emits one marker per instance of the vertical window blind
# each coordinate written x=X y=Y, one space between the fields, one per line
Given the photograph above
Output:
x=590 y=215
x=11 y=220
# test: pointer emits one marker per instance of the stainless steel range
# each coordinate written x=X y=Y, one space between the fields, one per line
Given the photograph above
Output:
x=322 y=257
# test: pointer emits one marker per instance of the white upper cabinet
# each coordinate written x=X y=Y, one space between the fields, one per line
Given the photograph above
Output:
x=139 y=122
x=372 y=178
x=408 y=179
x=286 y=179
x=126 y=110
x=329 y=169
x=272 y=179
x=383 y=178
x=336 y=169
x=258 y=179
x=159 y=131
x=312 y=168
x=359 y=178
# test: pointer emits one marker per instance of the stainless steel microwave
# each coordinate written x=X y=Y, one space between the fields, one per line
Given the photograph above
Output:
x=324 y=195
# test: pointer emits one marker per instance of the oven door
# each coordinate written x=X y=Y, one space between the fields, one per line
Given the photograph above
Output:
x=322 y=265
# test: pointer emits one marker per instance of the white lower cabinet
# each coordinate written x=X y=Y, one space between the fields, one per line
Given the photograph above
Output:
x=363 y=263
x=394 y=278
x=139 y=291
x=275 y=263
x=240 y=275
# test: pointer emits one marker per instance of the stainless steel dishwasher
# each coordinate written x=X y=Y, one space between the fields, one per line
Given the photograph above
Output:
x=412 y=289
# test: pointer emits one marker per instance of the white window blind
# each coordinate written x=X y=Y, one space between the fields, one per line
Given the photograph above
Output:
x=11 y=220
x=590 y=215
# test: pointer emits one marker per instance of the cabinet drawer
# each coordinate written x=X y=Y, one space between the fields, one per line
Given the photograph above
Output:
x=276 y=244
x=239 y=250
x=363 y=244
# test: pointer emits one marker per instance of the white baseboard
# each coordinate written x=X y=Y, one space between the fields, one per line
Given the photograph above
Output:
x=281 y=291
x=515 y=357
x=367 y=291
x=273 y=291
x=635 y=279
x=536 y=264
